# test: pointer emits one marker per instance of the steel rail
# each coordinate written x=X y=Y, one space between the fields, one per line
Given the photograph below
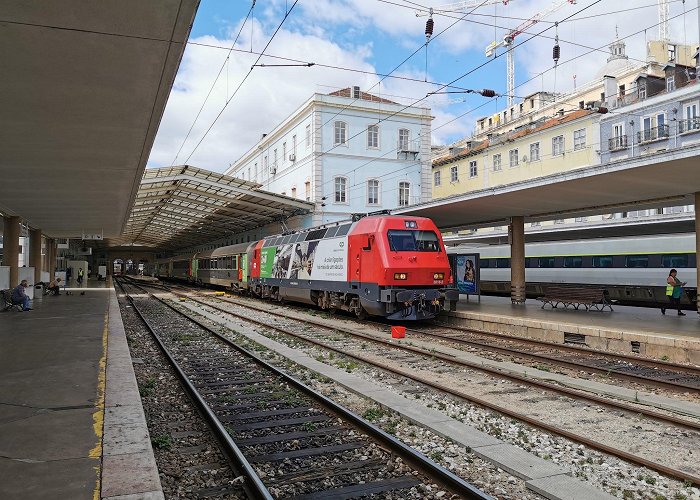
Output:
x=630 y=457
x=692 y=370
x=574 y=393
x=566 y=363
x=253 y=486
x=419 y=461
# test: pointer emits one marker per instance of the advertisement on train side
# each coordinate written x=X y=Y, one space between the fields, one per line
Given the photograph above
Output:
x=466 y=271
x=319 y=260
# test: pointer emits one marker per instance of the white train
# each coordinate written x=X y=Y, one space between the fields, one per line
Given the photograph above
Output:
x=632 y=270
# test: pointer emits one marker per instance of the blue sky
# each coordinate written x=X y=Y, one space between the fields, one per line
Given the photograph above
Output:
x=376 y=37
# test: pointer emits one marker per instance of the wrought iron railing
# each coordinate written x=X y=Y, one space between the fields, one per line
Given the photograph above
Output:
x=653 y=133
x=617 y=142
x=688 y=125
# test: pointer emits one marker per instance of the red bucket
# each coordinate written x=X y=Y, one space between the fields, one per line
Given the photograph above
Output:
x=398 y=332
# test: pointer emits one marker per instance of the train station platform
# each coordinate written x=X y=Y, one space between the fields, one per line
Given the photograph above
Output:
x=625 y=329
x=71 y=421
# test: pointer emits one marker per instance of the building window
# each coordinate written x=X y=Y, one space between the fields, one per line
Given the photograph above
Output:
x=513 y=157
x=454 y=174
x=621 y=90
x=307 y=190
x=653 y=127
x=535 y=151
x=579 y=139
x=671 y=52
x=404 y=193
x=532 y=104
x=284 y=152
x=473 y=171
x=373 y=136
x=274 y=160
x=670 y=83
x=436 y=178
x=249 y=177
x=255 y=172
x=340 y=137
x=373 y=192
x=558 y=145
x=308 y=136
x=294 y=146
x=642 y=90
x=497 y=163
x=264 y=166
x=341 y=190
x=404 y=139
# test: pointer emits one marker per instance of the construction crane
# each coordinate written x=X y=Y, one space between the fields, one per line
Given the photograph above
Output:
x=663 y=20
x=458 y=7
x=507 y=42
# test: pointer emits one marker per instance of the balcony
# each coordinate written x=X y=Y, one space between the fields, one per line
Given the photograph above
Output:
x=617 y=143
x=653 y=134
x=688 y=125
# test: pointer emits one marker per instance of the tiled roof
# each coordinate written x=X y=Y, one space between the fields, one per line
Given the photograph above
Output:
x=364 y=96
x=462 y=154
x=511 y=136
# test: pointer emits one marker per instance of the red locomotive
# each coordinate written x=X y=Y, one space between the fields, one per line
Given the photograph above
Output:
x=390 y=266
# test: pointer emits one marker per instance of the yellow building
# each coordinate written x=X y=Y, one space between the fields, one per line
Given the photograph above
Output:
x=615 y=84
x=547 y=146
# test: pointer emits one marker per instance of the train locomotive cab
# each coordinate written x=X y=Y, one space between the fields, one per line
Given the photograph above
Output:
x=399 y=267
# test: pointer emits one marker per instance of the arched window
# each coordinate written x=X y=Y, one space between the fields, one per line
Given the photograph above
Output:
x=404 y=193
x=340 y=136
x=341 y=190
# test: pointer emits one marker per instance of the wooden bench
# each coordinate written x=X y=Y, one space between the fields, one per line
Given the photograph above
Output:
x=575 y=297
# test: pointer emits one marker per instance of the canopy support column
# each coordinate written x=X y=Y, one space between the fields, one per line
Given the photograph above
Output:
x=517 y=260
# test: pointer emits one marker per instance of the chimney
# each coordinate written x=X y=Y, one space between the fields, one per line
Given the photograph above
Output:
x=610 y=88
x=356 y=92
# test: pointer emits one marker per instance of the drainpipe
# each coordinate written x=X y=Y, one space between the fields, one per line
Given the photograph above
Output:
x=632 y=135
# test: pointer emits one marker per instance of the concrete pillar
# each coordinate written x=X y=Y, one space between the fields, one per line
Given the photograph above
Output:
x=697 y=244
x=50 y=256
x=10 y=248
x=517 y=260
x=35 y=253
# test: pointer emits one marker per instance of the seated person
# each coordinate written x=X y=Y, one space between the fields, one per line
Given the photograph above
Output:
x=19 y=295
x=55 y=286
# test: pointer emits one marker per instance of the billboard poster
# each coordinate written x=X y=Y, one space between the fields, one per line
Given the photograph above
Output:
x=267 y=259
x=319 y=260
x=331 y=262
x=466 y=272
x=303 y=260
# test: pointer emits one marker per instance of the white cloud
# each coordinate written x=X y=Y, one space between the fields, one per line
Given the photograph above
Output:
x=375 y=36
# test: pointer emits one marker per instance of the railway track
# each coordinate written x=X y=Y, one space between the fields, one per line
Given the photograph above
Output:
x=664 y=374
x=633 y=409
x=287 y=440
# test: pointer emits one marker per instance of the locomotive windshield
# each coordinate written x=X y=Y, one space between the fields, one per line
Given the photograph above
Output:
x=413 y=241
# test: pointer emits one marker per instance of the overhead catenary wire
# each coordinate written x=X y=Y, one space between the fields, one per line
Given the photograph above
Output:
x=211 y=88
x=228 y=101
x=522 y=84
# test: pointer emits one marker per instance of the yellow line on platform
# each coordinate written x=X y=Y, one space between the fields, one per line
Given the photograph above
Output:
x=98 y=416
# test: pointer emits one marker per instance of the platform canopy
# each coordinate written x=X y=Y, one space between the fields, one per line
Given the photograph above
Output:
x=655 y=180
x=178 y=207
x=83 y=86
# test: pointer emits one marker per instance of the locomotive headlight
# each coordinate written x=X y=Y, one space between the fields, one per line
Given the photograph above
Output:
x=400 y=276
x=439 y=276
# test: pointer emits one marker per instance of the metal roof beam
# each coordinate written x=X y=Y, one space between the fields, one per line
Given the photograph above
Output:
x=217 y=185
x=202 y=203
